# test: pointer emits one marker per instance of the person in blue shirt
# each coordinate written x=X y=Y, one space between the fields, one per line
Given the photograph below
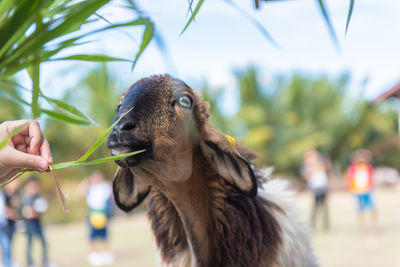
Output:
x=33 y=206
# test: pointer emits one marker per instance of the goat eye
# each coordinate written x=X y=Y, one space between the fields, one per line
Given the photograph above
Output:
x=185 y=101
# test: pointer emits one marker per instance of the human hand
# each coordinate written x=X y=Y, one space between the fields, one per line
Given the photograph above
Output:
x=26 y=149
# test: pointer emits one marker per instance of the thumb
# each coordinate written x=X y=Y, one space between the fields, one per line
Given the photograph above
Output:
x=24 y=160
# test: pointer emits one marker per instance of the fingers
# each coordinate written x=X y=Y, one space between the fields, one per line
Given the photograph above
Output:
x=38 y=144
x=23 y=160
x=36 y=136
x=31 y=135
x=30 y=140
x=45 y=151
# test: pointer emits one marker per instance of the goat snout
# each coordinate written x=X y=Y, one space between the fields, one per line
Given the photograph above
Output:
x=126 y=125
x=123 y=131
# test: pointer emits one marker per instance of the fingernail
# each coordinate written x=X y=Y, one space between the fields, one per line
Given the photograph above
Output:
x=43 y=164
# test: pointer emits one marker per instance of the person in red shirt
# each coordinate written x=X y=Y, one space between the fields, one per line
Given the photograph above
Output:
x=360 y=175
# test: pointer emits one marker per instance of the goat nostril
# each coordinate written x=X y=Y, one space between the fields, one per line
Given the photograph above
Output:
x=128 y=126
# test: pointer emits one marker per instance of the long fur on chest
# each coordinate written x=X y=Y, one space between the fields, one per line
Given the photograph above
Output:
x=244 y=231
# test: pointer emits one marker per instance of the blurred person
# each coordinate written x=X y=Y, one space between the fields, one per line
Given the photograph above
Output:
x=26 y=149
x=3 y=237
x=33 y=206
x=98 y=194
x=12 y=203
x=315 y=172
x=360 y=182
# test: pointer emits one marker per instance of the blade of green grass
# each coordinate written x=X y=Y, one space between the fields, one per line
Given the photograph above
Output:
x=35 y=77
x=76 y=16
x=69 y=164
x=4 y=142
x=331 y=30
x=65 y=117
x=22 y=19
x=43 y=56
x=190 y=9
x=194 y=13
x=148 y=33
x=13 y=98
x=100 y=140
x=3 y=184
x=146 y=38
x=94 y=58
x=52 y=113
x=257 y=24
x=349 y=15
x=67 y=107
x=5 y=6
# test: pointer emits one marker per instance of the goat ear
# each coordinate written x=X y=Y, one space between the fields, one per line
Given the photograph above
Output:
x=129 y=191
x=227 y=161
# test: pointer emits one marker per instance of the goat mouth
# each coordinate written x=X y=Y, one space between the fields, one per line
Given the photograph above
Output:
x=135 y=159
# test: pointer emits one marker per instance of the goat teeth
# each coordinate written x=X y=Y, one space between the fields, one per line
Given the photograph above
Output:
x=117 y=152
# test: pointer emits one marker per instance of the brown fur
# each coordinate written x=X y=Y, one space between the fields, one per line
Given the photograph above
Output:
x=202 y=189
x=243 y=230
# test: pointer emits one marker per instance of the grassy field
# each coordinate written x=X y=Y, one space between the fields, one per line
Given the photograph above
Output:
x=343 y=246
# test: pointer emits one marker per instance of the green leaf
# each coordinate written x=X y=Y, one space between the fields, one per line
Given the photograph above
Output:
x=332 y=32
x=63 y=165
x=16 y=130
x=78 y=118
x=95 y=58
x=67 y=107
x=194 y=13
x=148 y=33
x=35 y=77
x=190 y=9
x=15 y=99
x=349 y=15
x=65 y=117
x=69 y=22
x=255 y=22
x=100 y=140
x=43 y=56
x=69 y=164
x=5 y=7
x=146 y=38
x=3 y=184
x=23 y=15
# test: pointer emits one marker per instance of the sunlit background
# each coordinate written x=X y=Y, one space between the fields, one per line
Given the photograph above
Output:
x=280 y=98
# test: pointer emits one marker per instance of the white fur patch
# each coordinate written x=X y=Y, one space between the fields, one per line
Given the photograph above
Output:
x=184 y=258
x=296 y=249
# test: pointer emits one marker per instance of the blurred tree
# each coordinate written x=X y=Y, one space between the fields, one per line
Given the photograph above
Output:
x=101 y=95
x=298 y=113
x=214 y=96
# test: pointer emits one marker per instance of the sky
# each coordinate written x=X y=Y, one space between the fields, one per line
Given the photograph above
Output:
x=222 y=40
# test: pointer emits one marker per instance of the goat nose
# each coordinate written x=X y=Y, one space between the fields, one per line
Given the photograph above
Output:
x=126 y=126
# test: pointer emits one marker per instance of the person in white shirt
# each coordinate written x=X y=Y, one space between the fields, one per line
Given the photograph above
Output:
x=315 y=172
x=98 y=193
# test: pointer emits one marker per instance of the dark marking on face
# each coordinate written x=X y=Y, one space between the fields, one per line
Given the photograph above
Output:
x=235 y=164
x=215 y=147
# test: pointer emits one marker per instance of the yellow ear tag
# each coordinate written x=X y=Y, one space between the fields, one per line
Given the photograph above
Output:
x=231 y=140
